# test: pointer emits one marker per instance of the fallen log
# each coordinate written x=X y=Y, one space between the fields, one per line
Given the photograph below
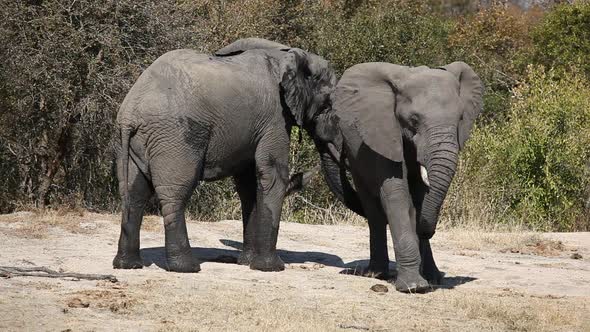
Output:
x=42 y=271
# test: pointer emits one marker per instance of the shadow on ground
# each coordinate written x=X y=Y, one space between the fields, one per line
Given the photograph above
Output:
x=157 y=256
x=359 y=268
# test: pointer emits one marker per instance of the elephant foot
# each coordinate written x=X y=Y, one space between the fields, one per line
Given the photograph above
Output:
x=268 y=262
x=246 y=257
x=433 y=275
x=378 y=271
x=409 y=281
x=127 y=262
x=183 y=264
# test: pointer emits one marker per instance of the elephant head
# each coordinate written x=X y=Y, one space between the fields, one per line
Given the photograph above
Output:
x=416 y=115
x=436 y=109
x=306 y=80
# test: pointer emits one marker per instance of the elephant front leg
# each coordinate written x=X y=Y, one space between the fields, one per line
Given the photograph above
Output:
x=428 y=268
x=272 y=178
x=395 y=200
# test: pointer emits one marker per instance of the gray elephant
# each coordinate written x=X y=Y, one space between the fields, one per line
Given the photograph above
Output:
x=398 y=130
x=193 y=117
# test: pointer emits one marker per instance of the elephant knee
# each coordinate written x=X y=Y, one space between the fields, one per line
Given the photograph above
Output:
x=273 y=179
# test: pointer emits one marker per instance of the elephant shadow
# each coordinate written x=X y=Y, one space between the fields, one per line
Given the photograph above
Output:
x=157 y=255
x=359 y=268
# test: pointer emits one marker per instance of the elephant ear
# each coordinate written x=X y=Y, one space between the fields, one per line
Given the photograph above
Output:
x=365 y=100
x=242 y=45
x=294 y=83
x=471 y=93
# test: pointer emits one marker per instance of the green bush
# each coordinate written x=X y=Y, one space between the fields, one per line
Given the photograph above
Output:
x=531 y=169
x=562 y=39
x=64 y=69
x=396 y=31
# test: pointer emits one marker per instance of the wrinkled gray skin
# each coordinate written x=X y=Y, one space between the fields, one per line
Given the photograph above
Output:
x=194 y=117
x=388 y=121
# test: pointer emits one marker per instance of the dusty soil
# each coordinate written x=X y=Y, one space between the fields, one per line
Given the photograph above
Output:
x=493 y=281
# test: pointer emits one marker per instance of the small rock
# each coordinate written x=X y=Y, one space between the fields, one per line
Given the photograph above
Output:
x=77 y=303
x=379 y=288
x=575 y=255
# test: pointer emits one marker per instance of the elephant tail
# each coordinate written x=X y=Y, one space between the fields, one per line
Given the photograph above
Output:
x=124 y=160
x=299 y=180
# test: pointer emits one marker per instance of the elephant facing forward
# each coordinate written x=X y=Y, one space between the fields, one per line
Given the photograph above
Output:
x=398 y=130
x=192 y=117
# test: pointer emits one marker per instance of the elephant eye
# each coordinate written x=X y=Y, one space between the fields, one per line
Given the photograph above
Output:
x=414 y=120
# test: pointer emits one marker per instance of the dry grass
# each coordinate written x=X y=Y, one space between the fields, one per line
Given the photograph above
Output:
x=248 y=308
x=514 y=240
x=117 y=301
x=334 y=214
x=521 y=312
x=152 y=223
x=474 y=239
x=38 y=224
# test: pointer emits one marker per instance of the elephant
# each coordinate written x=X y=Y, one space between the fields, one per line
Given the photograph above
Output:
x=398 y=131
x=194 y=117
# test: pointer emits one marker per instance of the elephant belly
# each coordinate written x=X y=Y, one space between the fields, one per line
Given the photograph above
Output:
x=223 y=160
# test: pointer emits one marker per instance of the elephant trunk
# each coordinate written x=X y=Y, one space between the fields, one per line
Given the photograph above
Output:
x=441 y=164
x=335 y=176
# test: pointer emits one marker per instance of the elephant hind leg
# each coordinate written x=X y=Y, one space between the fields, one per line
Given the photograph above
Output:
x=175 y=176
x=246 y=187
x=140 y=191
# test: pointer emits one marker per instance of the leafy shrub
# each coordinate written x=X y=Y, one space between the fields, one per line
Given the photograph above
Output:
x=496 y=42
x=563 y=37
x=64 y=69
x=396 y=31
x=531 y=169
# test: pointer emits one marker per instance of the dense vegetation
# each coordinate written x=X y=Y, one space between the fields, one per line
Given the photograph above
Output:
x=65 y=66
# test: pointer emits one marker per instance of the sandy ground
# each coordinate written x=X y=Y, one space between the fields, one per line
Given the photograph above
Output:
x=493 y=281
